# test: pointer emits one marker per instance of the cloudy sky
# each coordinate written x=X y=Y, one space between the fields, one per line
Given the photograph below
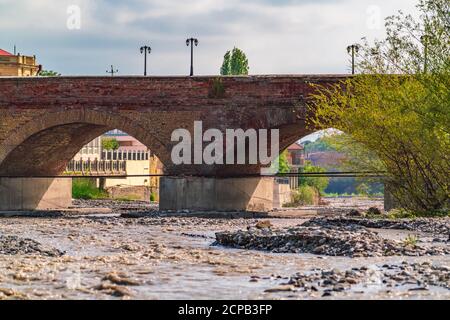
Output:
x=278 y=36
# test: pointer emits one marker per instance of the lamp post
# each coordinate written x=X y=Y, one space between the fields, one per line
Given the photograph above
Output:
x=192 y=42
x=144 y=50
x=353 y=50
x=112 y=72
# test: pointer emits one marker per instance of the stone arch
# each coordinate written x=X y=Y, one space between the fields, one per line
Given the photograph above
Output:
x=44 y=145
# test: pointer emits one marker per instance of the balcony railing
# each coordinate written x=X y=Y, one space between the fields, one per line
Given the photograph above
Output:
x=96 y=167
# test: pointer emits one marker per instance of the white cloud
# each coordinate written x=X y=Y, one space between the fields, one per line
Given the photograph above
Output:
x=291 y=36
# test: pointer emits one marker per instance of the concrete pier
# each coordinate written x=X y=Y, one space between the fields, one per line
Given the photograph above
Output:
x=35 y=193
x=216 y=194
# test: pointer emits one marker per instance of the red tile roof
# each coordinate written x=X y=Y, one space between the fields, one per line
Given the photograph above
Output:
x=4 y=53
x=295 y=146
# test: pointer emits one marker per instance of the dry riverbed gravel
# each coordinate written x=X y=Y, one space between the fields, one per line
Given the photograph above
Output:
x=135 y=252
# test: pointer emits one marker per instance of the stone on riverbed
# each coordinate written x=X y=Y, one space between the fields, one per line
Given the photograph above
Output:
x=13 y=245
x=351 y=241
x=416 y=276
x=436 y=226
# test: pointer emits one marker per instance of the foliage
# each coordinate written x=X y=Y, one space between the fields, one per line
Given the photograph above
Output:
x=49 y=73
x=319 y=145
x=396 y=114
x=319 y=183
x=411 y=240
x=408 y=214
x=85 y=188
x=152 y=197
x=304 y=195
x=363 y=189
x=234 y=63
x=283 y=163
x=110 y=144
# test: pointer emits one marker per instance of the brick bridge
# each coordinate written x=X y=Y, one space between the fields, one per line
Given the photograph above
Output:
x=44 y=122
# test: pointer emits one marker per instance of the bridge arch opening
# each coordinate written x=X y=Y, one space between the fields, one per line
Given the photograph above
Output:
x=327 y=151
x=44 y=146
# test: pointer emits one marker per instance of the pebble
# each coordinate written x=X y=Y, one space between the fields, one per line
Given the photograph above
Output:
x=281 y=288
x=334 y=280
x=323 y=239
x=14 y=245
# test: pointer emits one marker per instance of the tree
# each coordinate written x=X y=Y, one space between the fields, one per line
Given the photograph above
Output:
x=48 y=73
x=110 y=144
x=234 y=63
x=363 y=189
x=319 y=145
x=319 y=183
x=396 y=113
x=283 y=163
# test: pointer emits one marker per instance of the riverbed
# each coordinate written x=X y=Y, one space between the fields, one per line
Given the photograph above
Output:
x=154 y=256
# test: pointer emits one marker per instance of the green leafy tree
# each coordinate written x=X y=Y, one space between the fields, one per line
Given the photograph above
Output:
x=49 y=73
x=110 y=144
x=320 y=144
x=363 y=189
x=396 y=113
x=234 y=63
x=319 y=183
x=283 y=163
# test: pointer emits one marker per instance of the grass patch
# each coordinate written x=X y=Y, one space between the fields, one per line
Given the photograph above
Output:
x=84 y=188
x=395 y=214
x=411 y=240
x=407 y=214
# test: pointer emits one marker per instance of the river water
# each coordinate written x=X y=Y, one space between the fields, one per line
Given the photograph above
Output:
x=170 y=258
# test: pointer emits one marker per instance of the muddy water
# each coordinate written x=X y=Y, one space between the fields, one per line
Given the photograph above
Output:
x=169 y=258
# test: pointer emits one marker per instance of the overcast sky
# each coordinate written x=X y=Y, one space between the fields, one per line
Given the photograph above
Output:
x=284 y=36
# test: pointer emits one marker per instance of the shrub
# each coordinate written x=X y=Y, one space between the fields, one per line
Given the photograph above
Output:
x=411 y=240
x=84 y=188
x=409 y=214
x=304 y=195
x=319 y=183
x=152 y=197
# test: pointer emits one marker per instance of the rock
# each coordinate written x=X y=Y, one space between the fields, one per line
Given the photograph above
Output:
x=374 y=211
x=419 y=289
x=281 y=288
x=7 y=291
x=319 y=249
x=334 y=281
x=120 y=279
x=355 y=213
x=113 y=290
x=263 y=224
x=324 y=237
x=13 y=245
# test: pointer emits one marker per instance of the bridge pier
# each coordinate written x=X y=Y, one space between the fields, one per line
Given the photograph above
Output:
x=216 y=194
x=35 y=193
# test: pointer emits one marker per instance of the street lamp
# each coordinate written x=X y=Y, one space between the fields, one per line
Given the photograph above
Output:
x=112 y=72
x=144 y=50
x=192 y=42
x=353 y=50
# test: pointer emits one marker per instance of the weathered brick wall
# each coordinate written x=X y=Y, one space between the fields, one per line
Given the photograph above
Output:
x=51 y=118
